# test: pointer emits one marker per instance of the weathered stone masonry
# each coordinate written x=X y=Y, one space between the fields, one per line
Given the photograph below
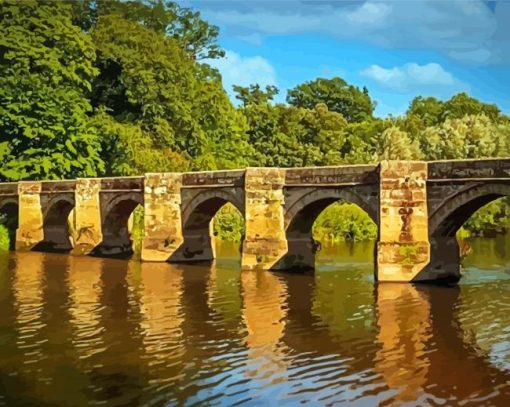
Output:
x=163 y=232
x=403 y=247
x=418 y=207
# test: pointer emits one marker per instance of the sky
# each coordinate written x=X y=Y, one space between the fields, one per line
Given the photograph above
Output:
x=397 y=49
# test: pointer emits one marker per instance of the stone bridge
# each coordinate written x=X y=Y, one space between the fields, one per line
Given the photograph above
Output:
x=418 y=206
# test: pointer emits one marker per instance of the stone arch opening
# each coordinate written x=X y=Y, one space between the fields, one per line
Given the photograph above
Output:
x=56 y=220
x=9 y=213
x=115 y=226
x=198 y=231
x=301 y=216
x=455 y=211
x=450 y=216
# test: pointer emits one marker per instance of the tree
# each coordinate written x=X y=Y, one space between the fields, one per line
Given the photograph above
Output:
x=354 y=104
x=428 y=109
x=194 y=35
x=289 y=136
x=254 y=95
x=462 y=105
x=473 y=136
x=433 y=111
x=147 y=80
x=360 y=144
x=395 y=144
x=319 y=131
x=128 y=150
x=46 y=69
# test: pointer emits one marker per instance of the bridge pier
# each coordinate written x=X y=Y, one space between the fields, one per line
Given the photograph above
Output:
x=163 y=226
x=403 y=249
x=264 y=243
x=300 y=255
x=444 y=260
x=88 y=229
x=30 y=221
x=198 y=245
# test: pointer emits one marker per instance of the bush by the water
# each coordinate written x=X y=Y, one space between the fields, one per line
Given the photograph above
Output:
x=229 y=224
x=4 y=238
x=344 y=222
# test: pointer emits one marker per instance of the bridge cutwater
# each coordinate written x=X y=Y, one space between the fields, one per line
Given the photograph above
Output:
x=418 y=207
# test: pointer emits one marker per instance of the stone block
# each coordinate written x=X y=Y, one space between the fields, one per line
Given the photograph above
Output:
x=31 y=223
x=88 y=229
x=163 y=225
x=265 y=241
x=403 y=250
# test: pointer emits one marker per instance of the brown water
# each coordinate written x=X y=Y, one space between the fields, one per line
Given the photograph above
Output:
x=88 y=331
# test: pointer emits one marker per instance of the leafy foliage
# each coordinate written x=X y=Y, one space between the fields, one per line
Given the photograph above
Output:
x=4 y=238
x=194 y=36
x=354 y=104
x=148 y=82
x=46 y=69
x=344 y=221
x=229 y=224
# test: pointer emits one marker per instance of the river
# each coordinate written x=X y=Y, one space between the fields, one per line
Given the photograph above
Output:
x=78 y=331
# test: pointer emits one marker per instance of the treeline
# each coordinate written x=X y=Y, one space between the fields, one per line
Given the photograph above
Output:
x=106 y=88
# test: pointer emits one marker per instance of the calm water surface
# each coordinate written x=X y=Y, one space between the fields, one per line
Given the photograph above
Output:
x=88 y=331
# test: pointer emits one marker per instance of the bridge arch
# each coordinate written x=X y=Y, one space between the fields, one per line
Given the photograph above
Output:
x=115 y=212
x=447 y=219
x=456 y=209
x=197 y=216
x=302 y=214
x=315 y=201
x=208 y=203
x=56 y=231
x=9 y=210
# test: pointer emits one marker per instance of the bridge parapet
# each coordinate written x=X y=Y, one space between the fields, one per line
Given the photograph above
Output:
x=228 y=178
x=8 y=188
x=470 y=170
x=58 y=187
x=118 y=184
x=332 y=176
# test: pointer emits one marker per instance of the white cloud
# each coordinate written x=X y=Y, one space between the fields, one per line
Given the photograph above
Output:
x=466 y=30
x=411 y=76
x=370 y=13
x=244 y=71
x=254 y=38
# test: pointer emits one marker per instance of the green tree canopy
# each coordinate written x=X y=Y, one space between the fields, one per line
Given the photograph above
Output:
x=254 y=95
x=354 y=104
x=194 y=35
x=432 y=111
x=289 y=136
x=147 y=80
x=473 y=136
x=462 y=105
x=395 y=144
x=46 y=69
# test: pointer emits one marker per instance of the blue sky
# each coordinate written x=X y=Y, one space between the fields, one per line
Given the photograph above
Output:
x=397 y=49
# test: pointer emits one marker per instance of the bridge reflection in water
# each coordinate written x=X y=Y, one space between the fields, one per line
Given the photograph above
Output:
x=81 y=330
